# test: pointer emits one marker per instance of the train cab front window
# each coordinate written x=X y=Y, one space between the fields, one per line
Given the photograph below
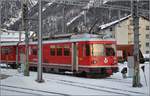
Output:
x=110 y=50
x=100 y=50
x=87 y=49
x=97 y=50
x=94 y=49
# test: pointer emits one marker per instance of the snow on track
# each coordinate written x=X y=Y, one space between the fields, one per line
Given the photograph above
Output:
x=56 y=84
x=95 y=87
x=29 y=90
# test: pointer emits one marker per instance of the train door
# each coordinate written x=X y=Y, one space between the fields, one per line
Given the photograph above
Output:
x=74 y=57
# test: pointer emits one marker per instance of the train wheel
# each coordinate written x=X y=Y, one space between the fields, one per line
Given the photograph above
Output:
x=35 y=69
x=83 y=74
x=44 y=69
x=13 y=66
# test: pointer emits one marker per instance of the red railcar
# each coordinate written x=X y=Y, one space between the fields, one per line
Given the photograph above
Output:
x=127 y=50
x=8 y=53
x=80 y=55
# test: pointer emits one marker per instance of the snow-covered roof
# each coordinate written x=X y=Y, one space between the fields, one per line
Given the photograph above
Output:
x=114 y=22
x=105 y=1
x=48 y=5
x=10 y=35
x=14 y=36
x=71 y=21
x=146 y=55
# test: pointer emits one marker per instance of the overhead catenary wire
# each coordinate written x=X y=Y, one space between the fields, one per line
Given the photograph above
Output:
x=96 y=4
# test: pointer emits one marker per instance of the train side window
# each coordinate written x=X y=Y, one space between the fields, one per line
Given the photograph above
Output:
x=59 y=51
x=87 y=49
x=52 y=50
x=34 y=51
x=83 y=52
x=5 y=51
x=66 y=50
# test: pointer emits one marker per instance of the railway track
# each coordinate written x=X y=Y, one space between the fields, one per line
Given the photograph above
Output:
x=26 y=93
x=116 y=80
x=30 y=91
x=97 y=87
x=94 y=87
x=79 y=84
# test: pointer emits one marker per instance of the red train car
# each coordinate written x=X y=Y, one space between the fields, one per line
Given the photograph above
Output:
x=124 y=51
x=127 y=50
x=79 y=55
x=8 y=53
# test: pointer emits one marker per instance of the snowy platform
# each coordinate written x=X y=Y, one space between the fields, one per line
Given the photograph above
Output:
x=63 y=85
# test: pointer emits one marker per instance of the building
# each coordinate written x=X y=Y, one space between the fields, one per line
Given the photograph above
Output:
x=13 y=36
x=122 y=31
x=10 y=36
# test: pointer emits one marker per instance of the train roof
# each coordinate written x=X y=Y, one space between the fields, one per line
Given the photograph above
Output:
x=8 y=43
x=77 y=38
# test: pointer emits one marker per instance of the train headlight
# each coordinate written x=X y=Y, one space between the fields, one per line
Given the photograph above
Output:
x=105 y=60
x=94 y=62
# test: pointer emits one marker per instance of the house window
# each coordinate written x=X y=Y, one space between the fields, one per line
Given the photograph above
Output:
x=147 y=28
x=139 y=45
x=111 y=29
x=147 y=44
x=147 y=36
x=147 y=52
x=131 y=22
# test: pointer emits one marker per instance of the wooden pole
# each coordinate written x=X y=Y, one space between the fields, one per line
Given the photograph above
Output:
x=135 y=16
x=25 y=13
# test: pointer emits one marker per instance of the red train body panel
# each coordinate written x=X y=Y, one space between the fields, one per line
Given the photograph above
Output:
x=8 y=54
x=80 y=55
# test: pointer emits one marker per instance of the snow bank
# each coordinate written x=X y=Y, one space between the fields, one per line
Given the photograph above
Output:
x=68 y=85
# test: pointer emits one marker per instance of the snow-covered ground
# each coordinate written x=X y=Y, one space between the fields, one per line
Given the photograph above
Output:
x=17 y=84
